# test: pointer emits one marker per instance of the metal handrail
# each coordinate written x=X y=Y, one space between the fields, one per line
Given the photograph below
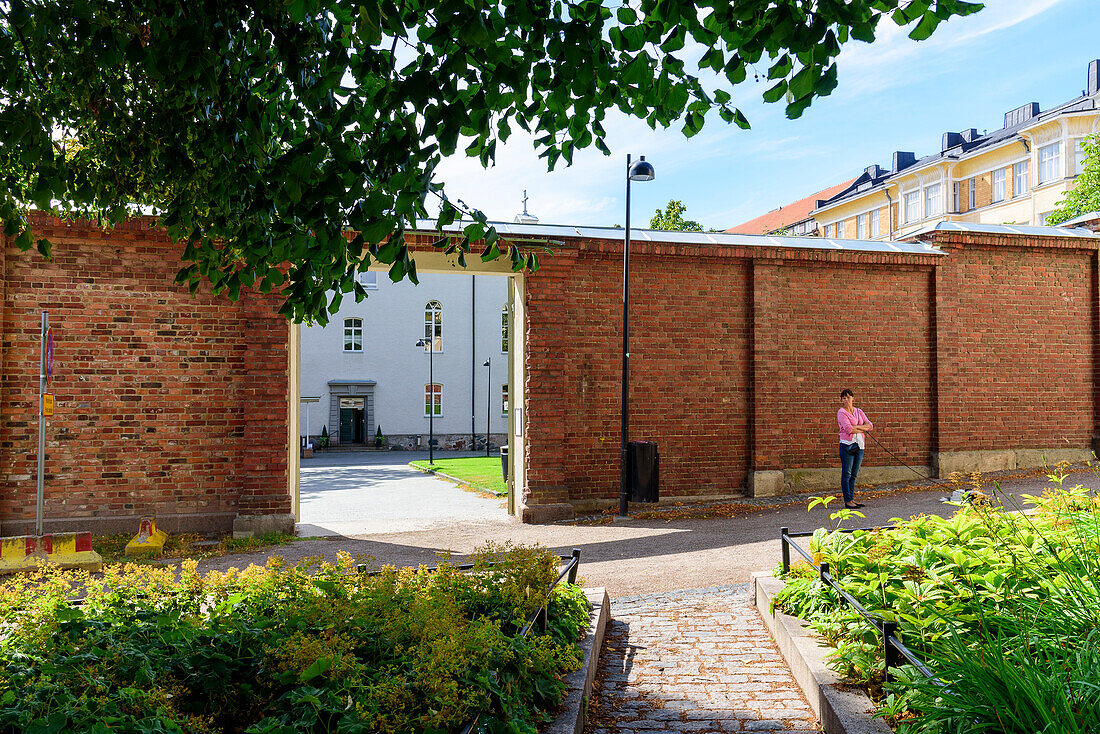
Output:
x=892 y=647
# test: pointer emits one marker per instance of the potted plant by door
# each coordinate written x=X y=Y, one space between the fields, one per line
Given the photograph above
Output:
x=379 y=439
x=322 y=442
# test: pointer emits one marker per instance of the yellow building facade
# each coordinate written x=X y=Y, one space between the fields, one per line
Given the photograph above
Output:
x=1015 y=175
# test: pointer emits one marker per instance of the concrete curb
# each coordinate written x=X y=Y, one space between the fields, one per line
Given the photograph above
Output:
x=839 y=710
x=574 y=707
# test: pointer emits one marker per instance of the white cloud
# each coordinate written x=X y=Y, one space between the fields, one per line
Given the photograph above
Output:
x=893 y=59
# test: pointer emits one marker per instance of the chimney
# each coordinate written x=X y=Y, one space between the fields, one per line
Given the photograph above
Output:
x=969 y=136
x=873 y=171
x=902 y=160
x=1021 y=114
x=1094 y=77
x=950 y=140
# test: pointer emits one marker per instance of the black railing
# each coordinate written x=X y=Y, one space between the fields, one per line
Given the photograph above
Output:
x=893 y=650
x=539 y=619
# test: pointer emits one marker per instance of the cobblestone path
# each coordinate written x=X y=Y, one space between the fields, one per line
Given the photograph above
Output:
x=694 y=661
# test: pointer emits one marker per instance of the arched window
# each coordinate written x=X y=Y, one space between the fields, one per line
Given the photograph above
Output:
x=504 y=329
x=353 y=335
x=433 y=325
x=433 y=399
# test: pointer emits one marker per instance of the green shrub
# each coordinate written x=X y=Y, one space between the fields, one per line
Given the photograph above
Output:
x=277 y=650
x=1004 y=607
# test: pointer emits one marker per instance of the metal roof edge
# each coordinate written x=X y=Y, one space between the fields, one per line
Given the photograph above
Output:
x=674 y=237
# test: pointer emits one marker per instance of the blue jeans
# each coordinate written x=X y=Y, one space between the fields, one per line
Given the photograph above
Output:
x=849 y=468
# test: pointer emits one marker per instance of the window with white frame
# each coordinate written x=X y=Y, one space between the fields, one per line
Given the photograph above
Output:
x=1078 y=156
x=369 y=280
x=433 y=326
x=353 y=335
x=912 y=206
x=1019 y=178
x=971 y=193
x=433 y=399
x=1050 y=157
x=861 y=226
x=827 y=230
x=999 y=193
x=933 y=203
x=873 y=222
x=504 y=400
x=955 y=202
x=504 y=329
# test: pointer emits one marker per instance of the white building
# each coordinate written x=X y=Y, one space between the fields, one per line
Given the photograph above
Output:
x=364 y=371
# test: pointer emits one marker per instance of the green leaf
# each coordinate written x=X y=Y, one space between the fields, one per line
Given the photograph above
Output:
x=776 y=92
x=320 y=666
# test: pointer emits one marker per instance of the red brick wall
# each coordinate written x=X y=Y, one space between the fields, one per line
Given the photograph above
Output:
x=167 y=404
x=733 y=364
x=1018 y=360
x=690 y=328
x=846 y=325
x=738 y=356
x=177 y=406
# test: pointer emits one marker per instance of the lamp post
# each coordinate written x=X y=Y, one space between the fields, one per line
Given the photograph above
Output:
x=639 y=170
x=488 y=402
x=430 y=344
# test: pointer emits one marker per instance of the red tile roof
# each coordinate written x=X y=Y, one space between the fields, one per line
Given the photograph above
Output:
x=787 y=215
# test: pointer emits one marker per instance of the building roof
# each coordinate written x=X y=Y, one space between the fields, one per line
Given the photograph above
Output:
x=788 y=214
x=964 y=144
x=1021 y=229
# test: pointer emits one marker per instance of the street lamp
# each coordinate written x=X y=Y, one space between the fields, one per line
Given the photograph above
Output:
x=488 y=403
x=639 y=170
x=430 y=344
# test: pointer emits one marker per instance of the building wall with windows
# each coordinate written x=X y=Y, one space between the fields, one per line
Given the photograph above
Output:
x=365 y=370
x=1014 y=175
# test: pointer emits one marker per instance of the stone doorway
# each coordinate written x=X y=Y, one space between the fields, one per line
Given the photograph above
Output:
x=351 y=407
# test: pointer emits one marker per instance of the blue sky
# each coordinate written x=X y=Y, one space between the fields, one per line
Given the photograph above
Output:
x=895 y=94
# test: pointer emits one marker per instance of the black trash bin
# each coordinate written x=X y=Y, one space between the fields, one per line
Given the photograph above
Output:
x=644 y=463
x=504 y=462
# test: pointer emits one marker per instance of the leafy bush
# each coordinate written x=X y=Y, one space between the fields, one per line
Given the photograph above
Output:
x=277 y=650
x=1004 y=607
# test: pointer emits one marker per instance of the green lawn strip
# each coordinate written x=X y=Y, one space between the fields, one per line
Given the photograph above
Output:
x=480 y=472
x=183 y=545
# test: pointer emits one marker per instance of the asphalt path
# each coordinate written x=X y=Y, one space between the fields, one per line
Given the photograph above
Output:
x=629 y=557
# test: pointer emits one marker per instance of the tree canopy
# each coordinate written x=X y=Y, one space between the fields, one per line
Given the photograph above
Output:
x=1084 y=197
x=672 y=219
x=284 y=142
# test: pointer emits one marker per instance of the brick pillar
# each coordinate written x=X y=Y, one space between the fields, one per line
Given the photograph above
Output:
x=545 y=494
x=765 y=475
x=946 y=394
x=1094 y=317
x=262 y=375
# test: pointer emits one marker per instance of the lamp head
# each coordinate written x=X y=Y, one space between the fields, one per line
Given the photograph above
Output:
x=641 y=170
x=422 y=343
x=485 y=364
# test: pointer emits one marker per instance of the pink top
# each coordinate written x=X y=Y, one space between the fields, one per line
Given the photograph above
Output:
x=845 y=421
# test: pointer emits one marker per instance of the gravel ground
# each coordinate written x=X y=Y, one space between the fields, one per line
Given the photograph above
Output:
x=645 y=556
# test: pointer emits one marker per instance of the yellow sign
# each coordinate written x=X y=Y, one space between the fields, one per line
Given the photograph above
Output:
x=47 y=404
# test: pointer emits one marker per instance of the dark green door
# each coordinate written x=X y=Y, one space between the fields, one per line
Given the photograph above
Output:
x=351 y=420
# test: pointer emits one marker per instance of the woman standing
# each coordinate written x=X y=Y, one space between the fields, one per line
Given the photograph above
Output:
x=853 y=423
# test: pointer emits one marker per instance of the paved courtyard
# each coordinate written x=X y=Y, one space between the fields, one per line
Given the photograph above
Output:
x=364 y=493
x=694 y=661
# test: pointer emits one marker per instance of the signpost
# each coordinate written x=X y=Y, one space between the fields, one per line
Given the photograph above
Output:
x=45 y=369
